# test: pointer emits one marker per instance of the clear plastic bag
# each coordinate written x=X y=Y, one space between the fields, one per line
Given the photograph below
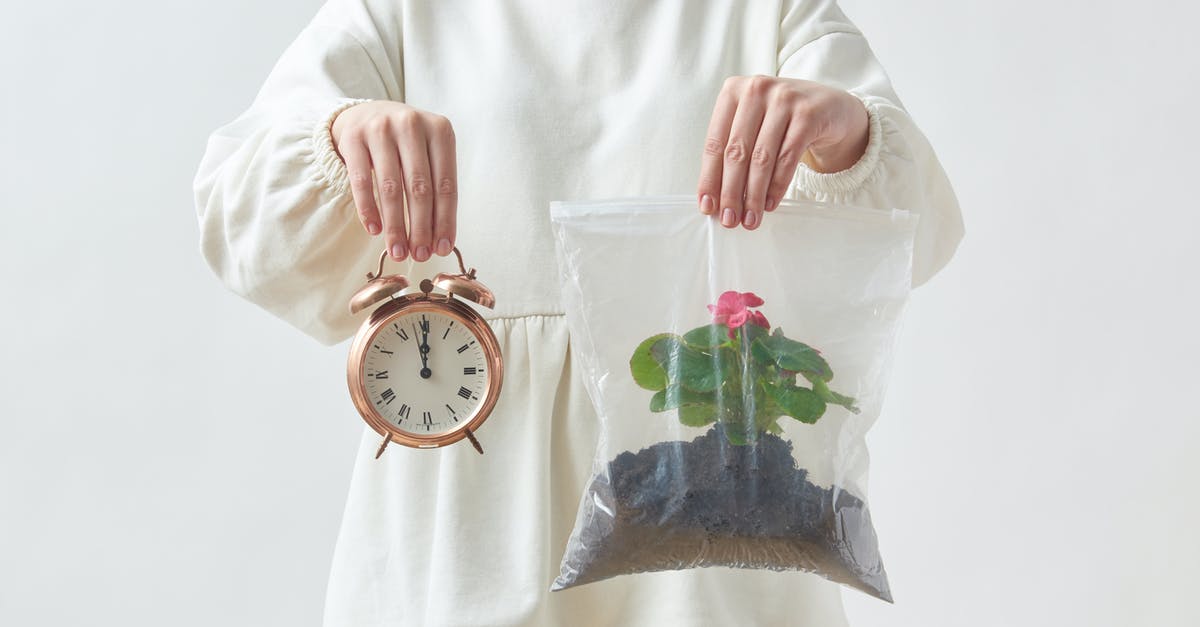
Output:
x=735 y=374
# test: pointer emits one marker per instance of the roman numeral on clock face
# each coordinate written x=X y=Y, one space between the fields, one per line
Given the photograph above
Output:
x=388 y=395
x=469 y=370
x=382 y=374
x=405 y=410
x=464 y=392
x=401 y=332
x=465 y=346
x=427 y=420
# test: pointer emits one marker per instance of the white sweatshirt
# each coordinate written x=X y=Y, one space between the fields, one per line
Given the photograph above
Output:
x=549 y=101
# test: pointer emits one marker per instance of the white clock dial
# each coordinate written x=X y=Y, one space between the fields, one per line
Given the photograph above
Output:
x=429 y=396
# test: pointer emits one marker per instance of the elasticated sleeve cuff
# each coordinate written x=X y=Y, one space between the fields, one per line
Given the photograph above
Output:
x=329 y=168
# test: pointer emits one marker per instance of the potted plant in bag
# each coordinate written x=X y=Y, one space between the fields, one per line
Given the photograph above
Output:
x=734 y=495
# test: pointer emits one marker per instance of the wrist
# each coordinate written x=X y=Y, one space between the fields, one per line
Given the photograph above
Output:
x=849 y=180
x=334 y=121
x=849 y=149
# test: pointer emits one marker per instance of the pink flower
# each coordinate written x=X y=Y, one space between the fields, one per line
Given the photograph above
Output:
x=731 y=310
x=758 y=318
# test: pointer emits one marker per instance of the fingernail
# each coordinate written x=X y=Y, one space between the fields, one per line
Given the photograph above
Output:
x=373 y=228
x=443 y=247
x=706 y=204
x=770 y=203
x=422 y=253
x=751 y=218
x=398 y=250
x=727 y=218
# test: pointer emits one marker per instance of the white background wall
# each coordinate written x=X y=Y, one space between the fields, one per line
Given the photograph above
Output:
x=172 y=455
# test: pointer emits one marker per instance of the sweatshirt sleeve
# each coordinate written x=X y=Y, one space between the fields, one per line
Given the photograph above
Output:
x=899 y=169
x=278 y=225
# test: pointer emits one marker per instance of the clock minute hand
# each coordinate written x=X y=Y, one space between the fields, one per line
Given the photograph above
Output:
x=423 y=348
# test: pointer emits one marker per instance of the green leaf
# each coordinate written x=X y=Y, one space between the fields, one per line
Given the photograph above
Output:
x=648 y=372
x=697 y=415
x=702 y=371
x=829 y=396
x=751 y=331
x=789 y=354
x=783 y=376
x=676 y=396
x=768 y=410
x=707 y=336
x=737 y=433
x=800 y=403
x=774 y=427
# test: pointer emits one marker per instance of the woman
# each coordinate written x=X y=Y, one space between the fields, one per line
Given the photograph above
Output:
x=464 y=119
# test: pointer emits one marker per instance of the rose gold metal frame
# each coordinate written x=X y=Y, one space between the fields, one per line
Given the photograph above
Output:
x=404 y=305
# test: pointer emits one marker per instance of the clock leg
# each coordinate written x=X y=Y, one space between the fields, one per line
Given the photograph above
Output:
x=384 y=445
x=471 y=437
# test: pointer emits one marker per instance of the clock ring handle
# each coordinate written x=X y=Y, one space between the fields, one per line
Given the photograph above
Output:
x=463 y=269
x=371 y=276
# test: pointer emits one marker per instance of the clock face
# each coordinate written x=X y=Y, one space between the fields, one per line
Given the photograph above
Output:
x=425 y=372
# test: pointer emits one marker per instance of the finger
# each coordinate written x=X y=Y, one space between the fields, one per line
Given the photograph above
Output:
x=717 y=135
x=742 y=134
x=358 y=169
x=796 y=140
x=389 y=183
x=443 y=161
x=414 y=159
x=762 y=164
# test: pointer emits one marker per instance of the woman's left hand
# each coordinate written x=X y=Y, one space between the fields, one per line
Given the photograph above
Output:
x=761 y=128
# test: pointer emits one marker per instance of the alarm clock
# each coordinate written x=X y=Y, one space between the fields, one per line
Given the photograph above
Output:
x=425 y=368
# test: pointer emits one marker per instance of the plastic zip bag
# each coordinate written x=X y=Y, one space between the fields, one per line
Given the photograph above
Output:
x=735 y=374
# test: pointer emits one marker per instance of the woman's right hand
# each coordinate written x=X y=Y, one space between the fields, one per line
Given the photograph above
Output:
x=407 y=153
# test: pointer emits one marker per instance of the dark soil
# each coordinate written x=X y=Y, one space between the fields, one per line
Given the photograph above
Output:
x=707 y=502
